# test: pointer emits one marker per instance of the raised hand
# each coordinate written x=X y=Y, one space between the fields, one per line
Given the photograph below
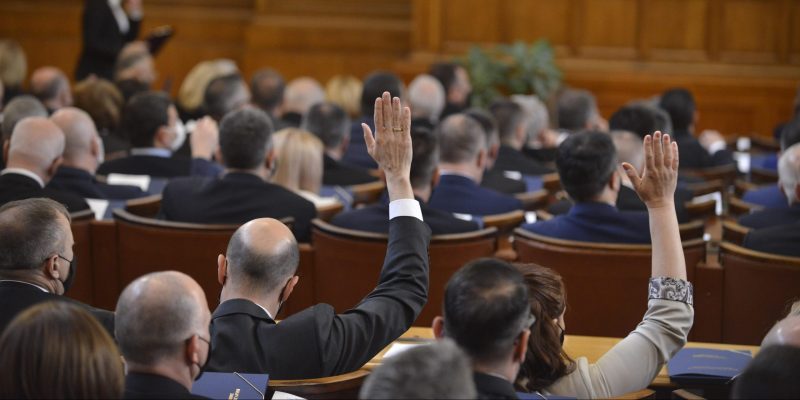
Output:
x=390 y=147
x=205 y=138
x=659 y=177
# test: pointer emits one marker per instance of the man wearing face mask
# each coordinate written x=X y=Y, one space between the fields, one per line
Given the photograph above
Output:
x=162 y=331
x=150 y=121
x=83 y=152
x=36 y=259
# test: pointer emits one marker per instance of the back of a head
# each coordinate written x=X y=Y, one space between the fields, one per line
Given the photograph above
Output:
x=345 y=91
x=302 y=93
x=300 y=161
x=47 y=83
x=629 y=148
x=425 y=159
x=193 y=87
x=435 y=371
x=267 y=87
x=576 y=107
x=19 y=108
x=426 y=97
x=679 y=104
x=374 y=86
x=789 y=172
x=102 y=100
x=244 y=138
x=329 y=122
x=36 y=141
x=634 y=118
x=13 y=63
x=488 y=124
x=486 y=309
x=58 y=350
x=785 y=331
x=144 y=114
x=771 y=375
x=156 y=314
x=225 y=94
x=509 y=116
x=445 y=72
x=262 y=255
x=585 y=163
x=790 y=135
x=79 y=131
x=31 y=230
x=536 y=113
x=461 y=139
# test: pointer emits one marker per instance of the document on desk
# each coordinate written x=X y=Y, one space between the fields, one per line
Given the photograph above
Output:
x=398 y=348
x=229 y=386
x=707 y=366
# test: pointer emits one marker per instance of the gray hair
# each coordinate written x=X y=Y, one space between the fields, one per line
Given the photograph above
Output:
x=301 y=94
x=576 y=108
x=461 y=139
x=789 y=172
x=427 y=97
x=263 y=271
x=30 y=232
x=436 y=371
x=536 y=111
x=19 y=108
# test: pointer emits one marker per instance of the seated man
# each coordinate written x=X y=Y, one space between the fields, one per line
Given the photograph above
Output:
x=772 y=196
x=162 y=330
x=244 y=192
x=257 y=274
x=772 y=374
x=777 y=230
x=494 y=179
x=512 y=125
x=83 y=152
x=455 y=80
x=51 y=87
x=331 y=125
x=463 y=158
x=36 y=259
x=374 y=86
x=16 y=110
x=487 y=313
x=576 y=111
x=301 y=94
x=33 y=156
x=151 y=123
x=587 y=166
x=424 y=175
x=427 y=99
x=225 y=94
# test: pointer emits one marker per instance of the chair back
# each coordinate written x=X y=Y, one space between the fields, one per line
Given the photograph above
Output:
x=327 y=212
x=692 y=230
x=147 y=207
x=83 y=288
x=367 y=193
x=738 y=207
x=763 y=176
x=734 y=233
x=702 y=210
x=345 y=386
x=758 y=289
x=348 y=263
x=726 y=173
x=606 y=283
x=532 y=201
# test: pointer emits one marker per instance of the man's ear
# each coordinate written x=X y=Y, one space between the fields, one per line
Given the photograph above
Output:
x=438 y=327
x=494 y=151
x=289 y=287
x=482 y=160
x=193 y=350
x=51 y=170
x=435 y=177
x=51 y=268
x=269 y=159
x=614 y=181
x=222 y=269
x=6 y=146
x=521 y=346
x=163 y=137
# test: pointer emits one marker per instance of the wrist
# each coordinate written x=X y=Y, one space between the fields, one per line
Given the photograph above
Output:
x=661 y=205
x=399 y=187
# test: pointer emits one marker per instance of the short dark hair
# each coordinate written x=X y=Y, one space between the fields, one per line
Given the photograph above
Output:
x=244 y=138
x=771 y=375
x=19 y=108
x=131 y=87
x=445 y=72
x=634 y=118
x=267 y=272
x=790 y=134
x=461 y=138
x=585 y=163
x=374 y=86
x=144 y=114
x=679 y=104
x=267 y=87
x=220 y=93
x=575 y=109
x=30 y=232
x=509 y=115
x=329 y=122
x=487 y=122
x=425 y=156
x=486 y=308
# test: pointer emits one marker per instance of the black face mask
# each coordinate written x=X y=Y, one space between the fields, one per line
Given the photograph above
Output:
x=562 y=335
x=73 y=269
x=208 y=358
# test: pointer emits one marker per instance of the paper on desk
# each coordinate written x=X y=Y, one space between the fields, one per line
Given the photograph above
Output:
x=716 y=196
x=398 y=348
x=99 y=207
x=284 y=396
x=142 y=181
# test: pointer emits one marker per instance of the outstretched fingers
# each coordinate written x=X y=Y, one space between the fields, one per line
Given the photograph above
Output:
x=386 y=108
x=658 y=151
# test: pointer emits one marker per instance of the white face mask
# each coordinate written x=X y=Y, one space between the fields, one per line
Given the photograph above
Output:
x=180 y=136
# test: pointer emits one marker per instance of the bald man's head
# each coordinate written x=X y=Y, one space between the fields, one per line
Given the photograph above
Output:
x=157 y=313
x=51 y=86
x=36 y=145
x=427 y=97
x=262 y=255
x=80 y=133
x=301 y=94
x=786 y=331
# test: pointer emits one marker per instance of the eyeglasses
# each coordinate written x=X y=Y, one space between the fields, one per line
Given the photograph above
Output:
x=66 y=259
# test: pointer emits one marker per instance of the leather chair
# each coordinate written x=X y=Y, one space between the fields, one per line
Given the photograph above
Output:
x=345 y=386
x=83 y=288
x=147 y=207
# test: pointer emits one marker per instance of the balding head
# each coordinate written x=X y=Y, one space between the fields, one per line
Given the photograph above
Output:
x=19 y=108
x=301 y=94
x=82 y=143
x=786 y=331
x=156 y=314
x=51 y=86
x=461 y=139
x=36 y=145
x=789 y=173
x=427 y=97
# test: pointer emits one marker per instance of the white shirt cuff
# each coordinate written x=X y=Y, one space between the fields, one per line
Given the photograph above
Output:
x=405 y=208
x=716 y=146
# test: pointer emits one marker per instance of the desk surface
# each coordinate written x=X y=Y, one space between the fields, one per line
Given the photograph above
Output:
x=591 y=347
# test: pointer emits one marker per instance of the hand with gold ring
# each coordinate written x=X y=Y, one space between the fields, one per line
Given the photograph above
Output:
x=391 y=145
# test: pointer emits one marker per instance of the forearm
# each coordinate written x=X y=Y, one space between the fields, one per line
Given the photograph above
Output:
x=668 y=259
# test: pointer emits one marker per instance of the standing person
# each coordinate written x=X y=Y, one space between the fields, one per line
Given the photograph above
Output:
x=107 y=26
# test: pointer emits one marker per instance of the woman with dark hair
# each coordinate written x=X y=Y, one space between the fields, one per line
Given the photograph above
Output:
x=632 y=363
x=57 y=350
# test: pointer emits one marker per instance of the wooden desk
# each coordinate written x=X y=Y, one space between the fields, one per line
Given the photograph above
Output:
x=591 y=347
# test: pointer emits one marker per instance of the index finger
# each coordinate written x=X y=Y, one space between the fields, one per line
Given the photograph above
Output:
x=387 y=110
x=378 y=114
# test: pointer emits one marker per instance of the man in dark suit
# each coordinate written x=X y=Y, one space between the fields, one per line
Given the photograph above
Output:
x=576 y=111
x=331 y=125
x=709 y=150
x=107 y=27
x=424 y=175
x=244 y=191
x=258 y=275
x=789 y=181
x=16 y=110
x=36 y=259
x=772 y=196
x=463 y=158
x=34 y=154
x=162 y=331
x=494 y=179
x=487 y=313
x=374 y=86
x=587 y=166
x=455 y=80
x=150 y=121
x=83 y=152
x=512 y=127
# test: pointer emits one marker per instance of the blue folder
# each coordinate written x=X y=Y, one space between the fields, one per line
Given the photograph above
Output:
x=537 y=396
x=225 y=386
x=707 y=366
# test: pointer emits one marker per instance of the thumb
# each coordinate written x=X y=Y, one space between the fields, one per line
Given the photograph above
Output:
x=633 y=175
x=368 y=138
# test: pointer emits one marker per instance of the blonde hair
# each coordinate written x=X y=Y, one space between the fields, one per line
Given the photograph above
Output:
x=13 y=63
x=193 y=87
x=299 y=160
x=345 y=91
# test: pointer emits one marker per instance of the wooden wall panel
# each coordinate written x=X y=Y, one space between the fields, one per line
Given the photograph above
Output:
x=534 y=19
x=675 y=30
x=608 y=29
x=751 y=31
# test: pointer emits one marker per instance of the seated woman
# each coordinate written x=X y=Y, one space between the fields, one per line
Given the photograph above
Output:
x=299 y=165
x=635 y=361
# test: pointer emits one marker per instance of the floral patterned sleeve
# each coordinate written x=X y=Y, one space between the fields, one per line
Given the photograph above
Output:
x=663 y=288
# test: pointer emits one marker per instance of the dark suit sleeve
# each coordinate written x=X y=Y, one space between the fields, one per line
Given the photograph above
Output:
x=133 y=31
x=722 y=157
x=347 y=341
x=203 y=167
x=95 y=38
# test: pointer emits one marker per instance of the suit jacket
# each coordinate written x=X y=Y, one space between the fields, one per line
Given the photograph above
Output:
x=161 y=167
x=772 y=217
x=596 y=222
x=82 y=183
x=495 y=180
x=628 y=200
x=375 y=218
x=781 y=240
x=317 y=342
x=357 y=150
x=770 y=197
x=493 y=387
x=337 y=173
x=102 y=40
x=150 y=386
x=233 y=199
x=509 y=159
x=19 y=187
x=544 y=156
x=17 y=297
x=694 y=156
x=459 y=194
